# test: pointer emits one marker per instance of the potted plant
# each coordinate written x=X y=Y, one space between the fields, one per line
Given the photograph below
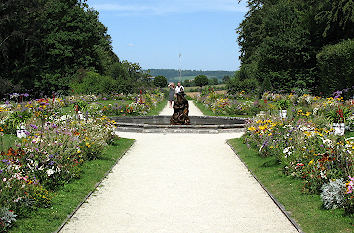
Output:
x=283 y=105
x=338 y=117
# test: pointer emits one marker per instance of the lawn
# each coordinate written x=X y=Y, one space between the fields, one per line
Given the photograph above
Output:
x=68 y=197
x=305 y=209
x=159 y=107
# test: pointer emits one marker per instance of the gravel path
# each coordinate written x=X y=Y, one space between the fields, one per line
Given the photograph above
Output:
x=179 y=183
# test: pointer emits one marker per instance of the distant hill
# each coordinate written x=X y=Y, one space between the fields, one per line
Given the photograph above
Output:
x=173 y=75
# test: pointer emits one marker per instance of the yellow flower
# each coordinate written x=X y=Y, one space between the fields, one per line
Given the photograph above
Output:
x=252 y=128
x=308 y=134
x=308 y=114
x=311 y=162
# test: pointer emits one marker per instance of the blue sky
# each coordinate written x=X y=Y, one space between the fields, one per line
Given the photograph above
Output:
x=154 y=32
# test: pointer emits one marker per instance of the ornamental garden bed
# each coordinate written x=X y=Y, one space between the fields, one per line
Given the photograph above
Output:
x=300 y=150
x=67 y=147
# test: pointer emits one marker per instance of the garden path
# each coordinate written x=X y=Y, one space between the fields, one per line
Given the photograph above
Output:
x=179 y=183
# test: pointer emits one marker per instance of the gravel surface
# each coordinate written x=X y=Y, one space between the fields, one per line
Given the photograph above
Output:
x=179 y=183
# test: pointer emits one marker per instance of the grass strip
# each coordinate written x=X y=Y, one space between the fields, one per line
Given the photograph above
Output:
x=156 y=110
x=207 y=112
x=306 y=209
x=67 y=198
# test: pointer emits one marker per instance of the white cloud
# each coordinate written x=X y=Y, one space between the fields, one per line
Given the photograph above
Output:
x=131 y=45
x=161 y=7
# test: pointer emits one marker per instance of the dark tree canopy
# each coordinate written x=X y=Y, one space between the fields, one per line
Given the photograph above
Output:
x=280 y=41
x=160 y=81
x=44 y=43
x=201 y=80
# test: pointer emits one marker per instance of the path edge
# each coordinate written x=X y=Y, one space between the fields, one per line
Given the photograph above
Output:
x=280 y=206
x=91 y=192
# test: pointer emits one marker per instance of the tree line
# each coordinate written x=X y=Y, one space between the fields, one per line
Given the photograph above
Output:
x=49 y=46
x=172 y=74
x=302 y=45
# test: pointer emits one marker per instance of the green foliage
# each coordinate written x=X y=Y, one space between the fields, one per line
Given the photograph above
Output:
x=160 y=81
x=201 y=80
x=340 y=115
x=335 y=63
x=213 y=81
x=236 y=84
x=266 y=85
x=283 y=104
x=280 y=39
x=44 y=43
x=93 y=83
x=129 y=77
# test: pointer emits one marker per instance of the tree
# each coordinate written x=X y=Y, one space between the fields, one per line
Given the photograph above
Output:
x=336 y=68
x=160 y=81
x=280 y=39
x=201 y=80
x=225 y=79
x=44 y=43
x=213 y=81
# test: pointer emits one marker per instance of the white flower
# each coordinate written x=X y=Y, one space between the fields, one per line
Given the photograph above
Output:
x=50 y=172
x=327 y=142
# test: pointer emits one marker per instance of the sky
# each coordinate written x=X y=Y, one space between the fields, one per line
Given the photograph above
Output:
x=154 y=33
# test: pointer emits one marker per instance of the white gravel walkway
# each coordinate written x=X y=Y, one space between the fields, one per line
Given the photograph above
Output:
x=179 y=183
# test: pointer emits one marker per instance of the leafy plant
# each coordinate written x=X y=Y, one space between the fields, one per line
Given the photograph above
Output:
x=339 y=115
x=333 y=194
x=7 y=218
x=283 y=104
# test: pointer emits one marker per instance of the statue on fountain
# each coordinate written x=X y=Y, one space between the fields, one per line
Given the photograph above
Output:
x=180 y=108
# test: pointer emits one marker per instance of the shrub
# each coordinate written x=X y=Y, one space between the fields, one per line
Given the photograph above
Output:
x=93 y=83
x=236 y=84
x=336 y=67
x=333 y=194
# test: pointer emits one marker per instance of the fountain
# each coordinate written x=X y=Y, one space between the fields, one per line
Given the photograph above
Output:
x=180 y=122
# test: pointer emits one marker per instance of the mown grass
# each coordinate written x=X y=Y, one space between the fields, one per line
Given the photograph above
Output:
x=7 y=141
x=206 y=111
x=158 y=108
x=68 y=197
x=306 y=209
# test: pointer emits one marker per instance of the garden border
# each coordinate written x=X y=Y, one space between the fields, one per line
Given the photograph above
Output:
x=90 y=194
x=280 y=206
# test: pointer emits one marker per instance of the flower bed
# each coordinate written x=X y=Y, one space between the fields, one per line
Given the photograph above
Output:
x=306 y=147
x=55 y=145
x=50 y=156
x=220 y=104
x=132 y=104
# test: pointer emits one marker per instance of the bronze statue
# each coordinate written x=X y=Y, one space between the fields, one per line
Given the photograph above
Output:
x=180 y=108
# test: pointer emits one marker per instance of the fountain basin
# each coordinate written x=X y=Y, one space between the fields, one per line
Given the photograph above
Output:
x=161 y=124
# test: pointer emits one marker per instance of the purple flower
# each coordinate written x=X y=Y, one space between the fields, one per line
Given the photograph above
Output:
x=33 y=126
